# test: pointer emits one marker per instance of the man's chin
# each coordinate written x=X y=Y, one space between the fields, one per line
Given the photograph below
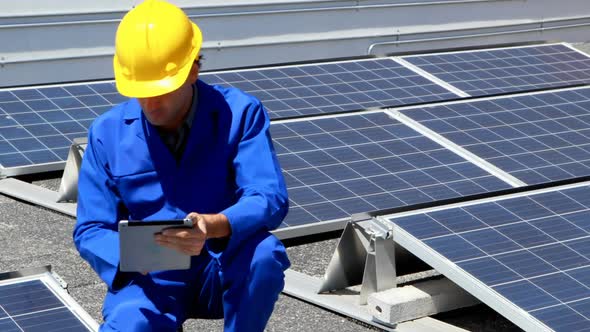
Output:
x=155 y=120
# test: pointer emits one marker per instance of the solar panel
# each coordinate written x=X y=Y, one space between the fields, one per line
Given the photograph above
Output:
x=486 y=72
x=528 y=256
x=332 y=87
x=37 y=125
x=36 y=304
x=338 y=166
x=536 y=138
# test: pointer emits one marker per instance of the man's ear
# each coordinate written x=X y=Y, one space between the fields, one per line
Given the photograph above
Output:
x=194 y=73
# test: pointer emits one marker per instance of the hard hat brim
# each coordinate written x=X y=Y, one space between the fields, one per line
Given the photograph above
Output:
x=146 y=89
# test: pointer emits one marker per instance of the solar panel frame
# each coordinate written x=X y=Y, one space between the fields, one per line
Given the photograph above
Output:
x=460 y=266
x=55 y=301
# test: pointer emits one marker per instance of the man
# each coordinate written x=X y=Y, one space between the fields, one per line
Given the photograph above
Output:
x=181 y=148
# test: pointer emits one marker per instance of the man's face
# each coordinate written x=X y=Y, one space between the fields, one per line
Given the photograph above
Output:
x=168 y=110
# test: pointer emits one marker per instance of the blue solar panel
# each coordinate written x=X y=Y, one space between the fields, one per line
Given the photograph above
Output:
x=536 y=138
x=37 y=125
x=488 y=72
x=335 y=167
x=332 y=87
x=32 y=306
x=533 y=251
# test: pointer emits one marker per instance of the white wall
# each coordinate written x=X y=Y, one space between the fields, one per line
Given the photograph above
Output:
x=66 y=40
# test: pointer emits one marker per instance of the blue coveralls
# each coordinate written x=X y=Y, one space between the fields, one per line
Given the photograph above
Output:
x=229 y=166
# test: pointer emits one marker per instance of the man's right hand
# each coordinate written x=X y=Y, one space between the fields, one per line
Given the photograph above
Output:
x=189 y=241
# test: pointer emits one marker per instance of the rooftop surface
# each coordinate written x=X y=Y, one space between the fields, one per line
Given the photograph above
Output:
x=32 y=236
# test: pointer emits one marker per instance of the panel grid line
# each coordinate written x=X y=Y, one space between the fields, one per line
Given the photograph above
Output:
x=33 y=136
x=11 y=318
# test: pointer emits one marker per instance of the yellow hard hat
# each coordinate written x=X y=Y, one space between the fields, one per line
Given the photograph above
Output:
x=155 y=48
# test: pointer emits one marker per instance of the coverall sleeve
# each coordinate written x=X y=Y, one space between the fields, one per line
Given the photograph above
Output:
x=99 y=210
x=263 y=200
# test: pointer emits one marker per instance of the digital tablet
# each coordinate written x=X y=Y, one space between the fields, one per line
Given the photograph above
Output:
x=139 y=251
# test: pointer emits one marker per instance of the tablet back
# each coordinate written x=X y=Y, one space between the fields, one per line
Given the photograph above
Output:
x=140 y=253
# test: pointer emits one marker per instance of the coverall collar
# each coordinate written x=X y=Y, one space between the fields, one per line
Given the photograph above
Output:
x=202 y=126
x=203 y=107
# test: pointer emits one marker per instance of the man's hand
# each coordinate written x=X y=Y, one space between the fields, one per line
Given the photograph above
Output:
x=189 y=241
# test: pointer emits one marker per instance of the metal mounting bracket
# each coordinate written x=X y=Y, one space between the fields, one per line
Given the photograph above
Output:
x=365 y=255
x=68 y=188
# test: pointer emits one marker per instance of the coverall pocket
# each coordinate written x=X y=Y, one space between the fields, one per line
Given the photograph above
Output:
x=142 y=193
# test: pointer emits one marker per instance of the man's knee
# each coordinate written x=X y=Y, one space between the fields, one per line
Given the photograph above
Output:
x=269 y=263
x=132 y=310
x=127 y=316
